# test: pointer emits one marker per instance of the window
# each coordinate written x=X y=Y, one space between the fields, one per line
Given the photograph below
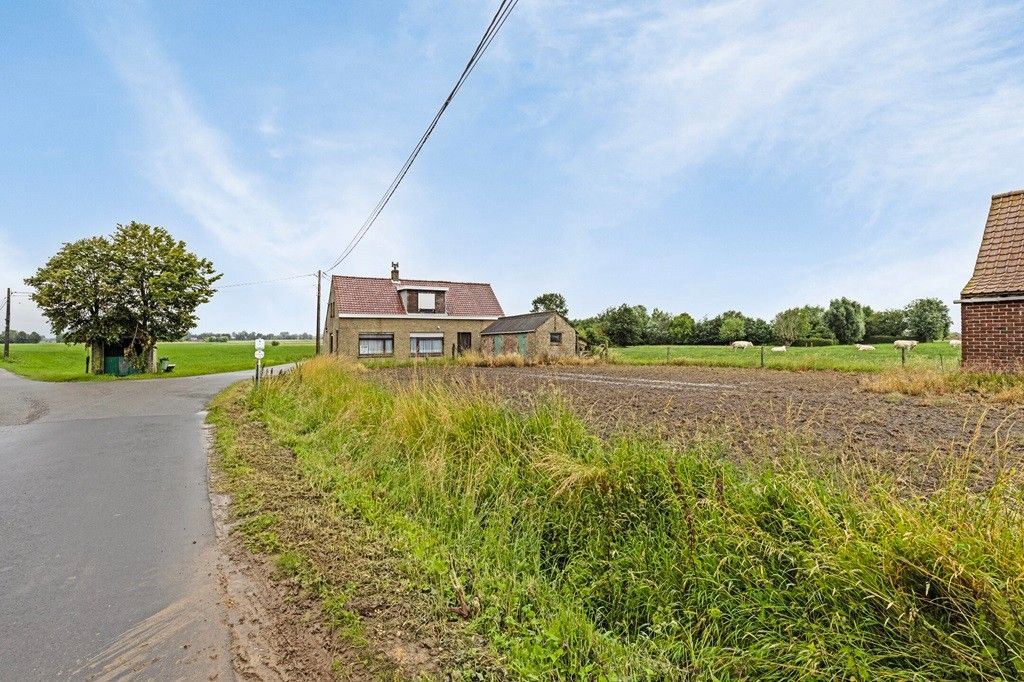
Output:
x=556 y=337
x=426 y=344
x=376 y=344
x=426 y=301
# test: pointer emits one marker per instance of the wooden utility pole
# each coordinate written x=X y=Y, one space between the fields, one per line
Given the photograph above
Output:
x=7 y=326
x=319 y=276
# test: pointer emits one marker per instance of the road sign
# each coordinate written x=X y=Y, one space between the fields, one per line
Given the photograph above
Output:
x=260 y=344
x=259 y=355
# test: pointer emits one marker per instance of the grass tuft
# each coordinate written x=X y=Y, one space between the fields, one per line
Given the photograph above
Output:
x=629 y=559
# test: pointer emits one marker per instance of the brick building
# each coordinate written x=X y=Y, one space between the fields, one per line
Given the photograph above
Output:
x=378 y=317
x=535 y=336
x=992 y=303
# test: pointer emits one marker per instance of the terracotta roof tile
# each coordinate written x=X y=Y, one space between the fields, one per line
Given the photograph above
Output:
x=1000 y=266
x=373 y=296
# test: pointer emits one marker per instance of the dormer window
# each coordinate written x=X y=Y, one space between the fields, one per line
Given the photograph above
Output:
x=427 y=301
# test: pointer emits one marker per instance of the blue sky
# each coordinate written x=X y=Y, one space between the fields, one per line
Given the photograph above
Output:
x=696 y=157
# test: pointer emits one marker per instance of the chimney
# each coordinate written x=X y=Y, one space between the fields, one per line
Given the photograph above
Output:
x=394 y=272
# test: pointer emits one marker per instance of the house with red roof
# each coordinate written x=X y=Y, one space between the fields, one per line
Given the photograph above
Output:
x=381 y=317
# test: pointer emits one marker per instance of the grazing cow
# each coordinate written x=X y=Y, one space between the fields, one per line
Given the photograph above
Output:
x=864 y=346
x=954 y=342
x=741 y=344
x=903 y=343
x=779 y=349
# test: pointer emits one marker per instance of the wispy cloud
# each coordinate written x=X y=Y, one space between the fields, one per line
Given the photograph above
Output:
x=908 y=113
x=274 y=227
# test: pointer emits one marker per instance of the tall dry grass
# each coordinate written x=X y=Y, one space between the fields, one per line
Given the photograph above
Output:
x=628 y=559
x=1007 y=388
x=476 y=359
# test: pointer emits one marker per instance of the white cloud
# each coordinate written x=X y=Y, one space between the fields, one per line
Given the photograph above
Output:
x=908 y=113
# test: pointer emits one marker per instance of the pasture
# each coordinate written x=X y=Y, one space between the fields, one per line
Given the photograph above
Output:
x=935 y=356
x=61 y=362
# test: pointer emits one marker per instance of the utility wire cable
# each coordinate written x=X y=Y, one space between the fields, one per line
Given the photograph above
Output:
x=264 y=281
x=497 y=21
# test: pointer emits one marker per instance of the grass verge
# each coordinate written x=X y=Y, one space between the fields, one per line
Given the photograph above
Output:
x=382 y=622
x=1005 y=388
x=585 y=558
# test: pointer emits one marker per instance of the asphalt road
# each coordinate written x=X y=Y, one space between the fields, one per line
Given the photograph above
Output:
x=107 y=548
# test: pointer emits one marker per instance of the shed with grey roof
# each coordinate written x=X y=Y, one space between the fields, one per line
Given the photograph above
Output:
x=536 y=336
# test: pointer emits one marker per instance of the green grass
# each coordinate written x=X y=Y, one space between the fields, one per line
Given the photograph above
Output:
x=60 y=362
x=937 y=355
x=631 y=559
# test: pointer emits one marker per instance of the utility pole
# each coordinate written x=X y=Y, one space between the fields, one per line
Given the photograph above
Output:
x=7 y=326
x=319 y=276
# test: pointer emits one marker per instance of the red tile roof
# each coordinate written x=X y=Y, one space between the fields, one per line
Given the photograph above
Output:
x=1000 y=266
x=373 y=296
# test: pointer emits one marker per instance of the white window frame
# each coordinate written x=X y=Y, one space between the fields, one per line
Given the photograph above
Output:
x=419 y=340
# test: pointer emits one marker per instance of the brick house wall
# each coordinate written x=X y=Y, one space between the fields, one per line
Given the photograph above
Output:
x=992 y=335
x=346 y=331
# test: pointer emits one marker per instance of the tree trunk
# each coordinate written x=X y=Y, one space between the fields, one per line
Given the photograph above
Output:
x=150 y=358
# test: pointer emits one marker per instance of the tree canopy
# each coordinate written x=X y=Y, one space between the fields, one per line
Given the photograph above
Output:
x=551 y=301
x=845 y=318
x=140 y=285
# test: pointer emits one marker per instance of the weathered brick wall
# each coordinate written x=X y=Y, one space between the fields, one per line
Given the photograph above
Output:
x=993 y=335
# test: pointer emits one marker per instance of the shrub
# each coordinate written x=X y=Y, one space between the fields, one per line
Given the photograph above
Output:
x=880 y=339
x=814 y=341
x=275 y=342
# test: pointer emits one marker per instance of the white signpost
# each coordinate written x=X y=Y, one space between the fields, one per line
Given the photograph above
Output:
x=260 y=345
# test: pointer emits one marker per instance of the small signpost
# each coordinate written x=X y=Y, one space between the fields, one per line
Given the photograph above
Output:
x=260 y=345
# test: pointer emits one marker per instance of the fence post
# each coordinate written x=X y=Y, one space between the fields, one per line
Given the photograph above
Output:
x=666 y=352
x=903 y=356
x=762 y=357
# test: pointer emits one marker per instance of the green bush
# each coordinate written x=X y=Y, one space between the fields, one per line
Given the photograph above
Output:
x=880 y=339
x=814 y=342
x=275 y=342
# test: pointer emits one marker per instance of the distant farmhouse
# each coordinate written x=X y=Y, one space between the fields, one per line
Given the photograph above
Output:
x=992 y=303
x=380 y=317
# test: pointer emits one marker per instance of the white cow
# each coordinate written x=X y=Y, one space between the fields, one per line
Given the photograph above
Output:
x=864 y=346
x=779 y=349
x=954 y=342
x=741 y=344
x=903 y=343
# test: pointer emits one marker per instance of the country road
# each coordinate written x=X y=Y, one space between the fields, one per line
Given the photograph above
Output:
x=108 y=551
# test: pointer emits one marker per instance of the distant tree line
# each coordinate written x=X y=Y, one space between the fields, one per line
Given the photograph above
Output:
x=22 y=337
x=844 y=321
x=247 y=336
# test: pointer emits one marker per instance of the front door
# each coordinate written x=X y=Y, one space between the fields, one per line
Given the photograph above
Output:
x=465 y=341
x=522 y=345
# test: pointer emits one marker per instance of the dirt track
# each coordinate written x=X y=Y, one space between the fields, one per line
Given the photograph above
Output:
x=756 y=411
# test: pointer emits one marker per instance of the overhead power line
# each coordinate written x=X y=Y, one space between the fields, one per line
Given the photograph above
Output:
x=265 y=281
x=497 y=21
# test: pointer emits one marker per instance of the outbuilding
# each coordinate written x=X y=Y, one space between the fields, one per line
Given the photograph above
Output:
x=535 y=336
x=992 y=303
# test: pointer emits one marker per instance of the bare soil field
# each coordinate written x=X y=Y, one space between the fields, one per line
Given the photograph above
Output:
x=762 y=414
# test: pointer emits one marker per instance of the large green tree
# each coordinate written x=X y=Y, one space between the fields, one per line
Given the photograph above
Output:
x=140 y=286
x=928 y=319
x=845 y=318
x=791 y=324
x=75 y=291
x=551 y=301
x=681 y=328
